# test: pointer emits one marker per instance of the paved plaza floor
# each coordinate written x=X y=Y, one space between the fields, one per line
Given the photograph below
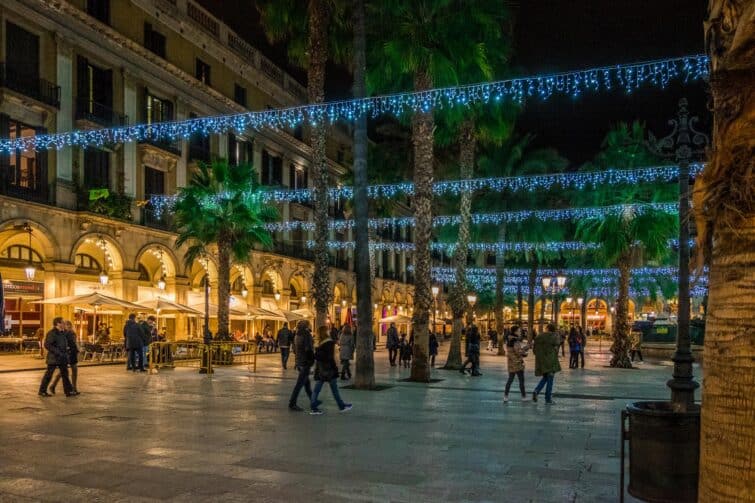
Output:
x=181 y=436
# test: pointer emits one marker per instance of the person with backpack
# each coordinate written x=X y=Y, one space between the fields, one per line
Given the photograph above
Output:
x=283 y=340
x=326 y=370
x=517 y=350
x=305 y=358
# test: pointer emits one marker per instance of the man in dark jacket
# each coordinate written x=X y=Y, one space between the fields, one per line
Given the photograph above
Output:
x=392 y=344
x=283 y=339
x=133 y=335
x=56 y=345
x=305 y=358
x=473 y=351
x=546 y=361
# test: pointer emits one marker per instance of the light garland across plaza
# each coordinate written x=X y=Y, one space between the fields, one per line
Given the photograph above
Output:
x=626 y=77
x=560 y=214
x=578 y=180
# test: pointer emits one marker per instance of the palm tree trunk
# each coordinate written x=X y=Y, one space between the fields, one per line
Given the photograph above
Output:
x=543 y=301
x=458 y=295
x=620 y=346
x=422 y=140
x=224 y=289
x=365 y=363
x=532 y=280
x=317 y=48
x=726 y=213
x=499 y=273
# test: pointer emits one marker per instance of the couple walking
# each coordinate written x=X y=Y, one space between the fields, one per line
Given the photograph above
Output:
x=545 y=348
x=322 y=355
x=62 y=351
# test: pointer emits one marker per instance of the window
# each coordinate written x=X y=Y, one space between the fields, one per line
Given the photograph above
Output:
x=84 y=261
x=24 y=171
x=96 y=169
x=21 y=55
x=94 y=91
x=99 y=9
x=154 y=41
x=202 y=72
x=20 y=253
x=199 y=146
x=297 y=177
x=158 y=109
x=239 y=151
x=154 y=181
x=271 y=170
x=239 y=95
x=267 y=287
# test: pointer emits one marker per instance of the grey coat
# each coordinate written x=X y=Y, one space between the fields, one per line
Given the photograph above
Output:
x=346 y=342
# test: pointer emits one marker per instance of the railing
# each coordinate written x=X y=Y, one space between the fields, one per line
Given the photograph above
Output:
x=34 y=189
x=272 y=71
x=29 y=85
x=98 y=113
x=292 y=250
x=151 y=218
x=173 y=147
x=203 y=19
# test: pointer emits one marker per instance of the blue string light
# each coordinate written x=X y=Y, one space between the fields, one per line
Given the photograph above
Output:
x=628 y=77
x=487 y=218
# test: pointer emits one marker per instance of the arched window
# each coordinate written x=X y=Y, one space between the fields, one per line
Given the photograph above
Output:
x=294 y=293
x=21 y=253
x=87 y=263
x=267 y=287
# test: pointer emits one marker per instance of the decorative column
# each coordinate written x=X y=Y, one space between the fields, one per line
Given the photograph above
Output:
x=182 y=165
x=130 y=158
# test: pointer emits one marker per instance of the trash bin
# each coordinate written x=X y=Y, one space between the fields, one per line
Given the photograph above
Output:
x=664 y=452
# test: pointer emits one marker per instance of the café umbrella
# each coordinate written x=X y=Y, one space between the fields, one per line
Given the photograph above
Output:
x=165 y=306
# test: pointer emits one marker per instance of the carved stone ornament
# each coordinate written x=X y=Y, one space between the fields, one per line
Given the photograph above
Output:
x=156 y=159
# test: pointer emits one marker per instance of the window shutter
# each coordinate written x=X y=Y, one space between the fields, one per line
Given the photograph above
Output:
x=291 y=176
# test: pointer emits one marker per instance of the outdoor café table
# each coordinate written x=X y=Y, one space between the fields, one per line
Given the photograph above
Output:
x=11 y=343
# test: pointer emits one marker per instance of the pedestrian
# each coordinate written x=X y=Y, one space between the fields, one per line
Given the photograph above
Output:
x=56 y=345
x=73 y=359
x=404 y=352
x=284 y=337
x=636 y=347
x=492 y=339
x=473 y=351
x=517 y=350
x=562 y=337
x=305 y=358
x=392 y=344
x=433 y=348
x=346 y=352
x=574 y=348
x=149 y=335
x=582 y=336
x=546 y=361
x=334 y=332
x=133 y=337
x=326 y=370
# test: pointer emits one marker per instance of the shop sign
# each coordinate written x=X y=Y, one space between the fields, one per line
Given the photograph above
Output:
x=13 y=287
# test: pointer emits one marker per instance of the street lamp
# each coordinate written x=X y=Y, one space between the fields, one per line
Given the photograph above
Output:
x=104 y=278
x=244 y=291
x=436 y=290
x=553 y=285
x=570 y=301
x=277 y=296
x=580 y=300
x=30 y=270
x=472 y=299
x=161 y=283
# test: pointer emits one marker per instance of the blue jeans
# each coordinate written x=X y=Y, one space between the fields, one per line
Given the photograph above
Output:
x=333 y=388
x=301 y=382
x=547 y=381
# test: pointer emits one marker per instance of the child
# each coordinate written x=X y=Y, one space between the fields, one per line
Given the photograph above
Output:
x=404 y=351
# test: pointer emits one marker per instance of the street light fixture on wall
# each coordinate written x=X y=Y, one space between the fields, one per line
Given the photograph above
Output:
x=104 y=278
x=30 y=269
x=161 y=283
x=244 y=291
x=277 y=296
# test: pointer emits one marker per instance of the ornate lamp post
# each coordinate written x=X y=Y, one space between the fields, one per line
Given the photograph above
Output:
x=681 y=145
x=436 y=291
x=29 y=270
x=472 y=299
x=553 y=285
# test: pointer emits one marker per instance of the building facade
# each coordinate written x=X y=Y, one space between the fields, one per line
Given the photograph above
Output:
x=77 y=220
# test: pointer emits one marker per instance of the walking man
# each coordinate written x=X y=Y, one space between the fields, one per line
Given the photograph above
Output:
x=392 y=344
x=305 y=358
x=134 y=336
x=473 y=351
x=284 y=343
x=546 y=361
x=56 y=345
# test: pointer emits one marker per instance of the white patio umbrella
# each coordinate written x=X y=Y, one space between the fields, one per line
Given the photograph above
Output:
x=163 y=305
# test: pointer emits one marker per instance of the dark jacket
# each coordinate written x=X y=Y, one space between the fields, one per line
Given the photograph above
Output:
x=473 y=340
x=326 y=367
x=546 y=353
x=56 y=345
x=433 y=345
x=133 y=335
x=73 y=349
x=392 y=341
x=284 y=337
x=303 y=348
x=147 y=335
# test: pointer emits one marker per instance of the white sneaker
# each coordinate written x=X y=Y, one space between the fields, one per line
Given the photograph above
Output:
x=525 y=398
x=505 y=398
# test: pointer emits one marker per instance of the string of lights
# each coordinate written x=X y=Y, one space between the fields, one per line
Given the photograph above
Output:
x=579 y=180
x=561 y=214
x=577 y=271
x=627 y=77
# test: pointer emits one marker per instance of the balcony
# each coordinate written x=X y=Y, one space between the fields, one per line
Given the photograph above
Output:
x=29 y=85
x=171 y=147
x=162 y=221
x=98 y=114
x=28 y=182
x=292 y=250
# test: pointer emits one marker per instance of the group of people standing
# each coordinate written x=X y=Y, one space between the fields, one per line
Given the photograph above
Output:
x=137 y=336
x=401 y=347
x=319 y=353
x=62 y=351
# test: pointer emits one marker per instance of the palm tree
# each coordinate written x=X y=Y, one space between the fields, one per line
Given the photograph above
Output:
x=221 y=208
x=726 y=231
x=314 y=30
x=419 y=44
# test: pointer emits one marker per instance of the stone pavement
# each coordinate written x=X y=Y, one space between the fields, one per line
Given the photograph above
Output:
x=180 y=436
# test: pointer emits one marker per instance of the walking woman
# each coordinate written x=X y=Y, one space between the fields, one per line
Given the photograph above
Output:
x=346 y=343
x=73 y=359
x=517 y=350
x=326 y=370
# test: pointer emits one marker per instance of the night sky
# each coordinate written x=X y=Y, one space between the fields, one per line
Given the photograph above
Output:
x=559 y=35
